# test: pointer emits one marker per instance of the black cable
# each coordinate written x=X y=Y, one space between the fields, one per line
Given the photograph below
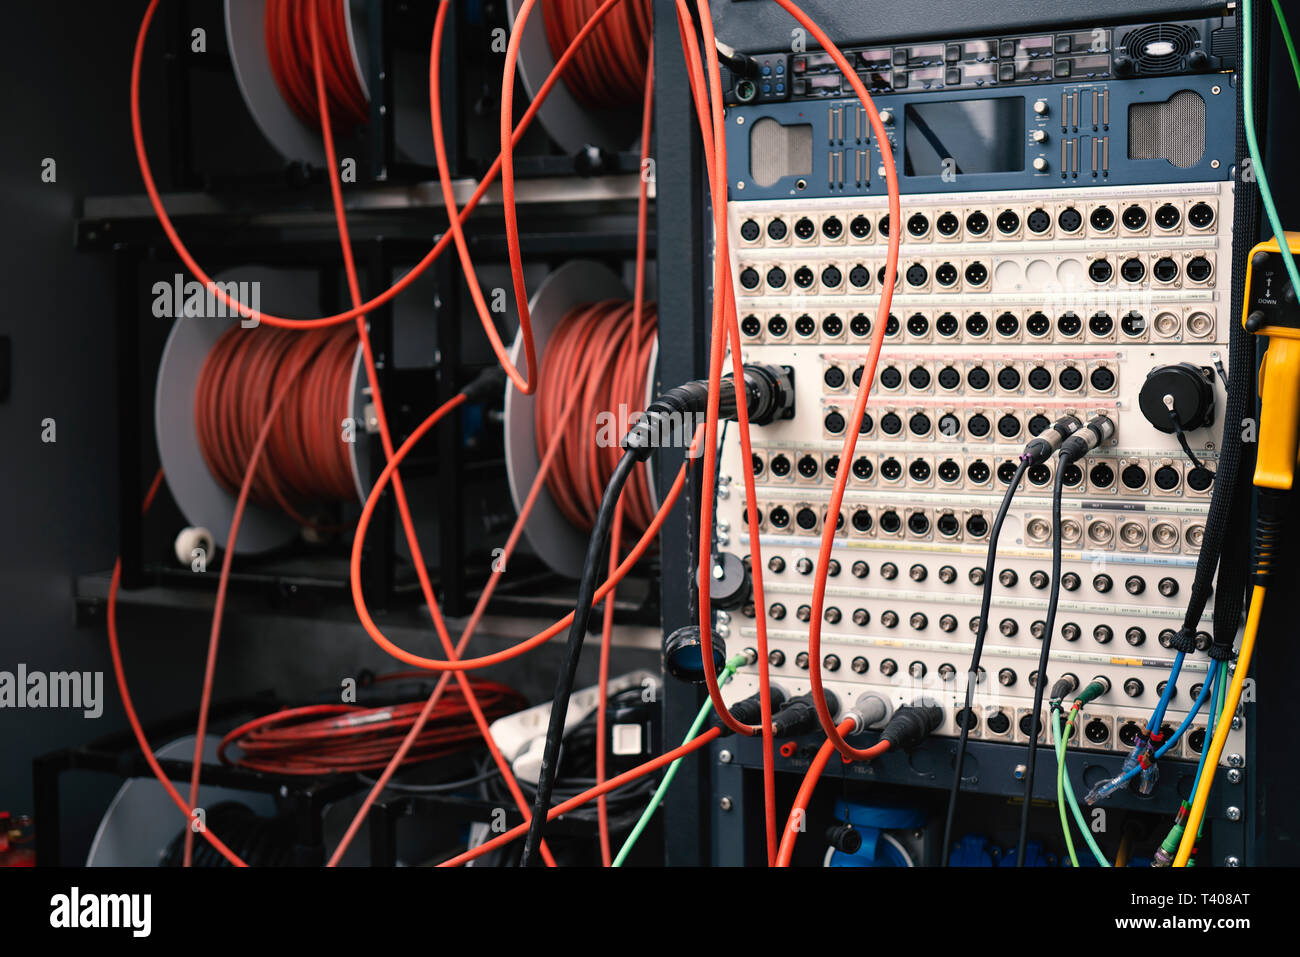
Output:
x=1182 y=440
x=972 y=673
x=1058 y=488
x=572 y=652
x=1230 y=499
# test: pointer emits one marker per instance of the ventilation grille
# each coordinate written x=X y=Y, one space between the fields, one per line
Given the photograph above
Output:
x=1173 y=130
x=1160 y=47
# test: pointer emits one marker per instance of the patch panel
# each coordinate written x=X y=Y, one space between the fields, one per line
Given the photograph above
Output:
x=966 y=377
x=1186 y=212
x=1008 y=324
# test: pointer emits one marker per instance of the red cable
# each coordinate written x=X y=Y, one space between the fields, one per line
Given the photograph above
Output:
x=306 y=460
x=709 y=114
x=609 y=73
x=128 y=706
x=458 y=216
x=596 y=351
x=399 y=491
x=824 y=715
x=288 y=50
x=339 y=739
x=799 y=811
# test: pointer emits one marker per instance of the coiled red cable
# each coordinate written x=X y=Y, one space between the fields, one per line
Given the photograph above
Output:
x=610 y=71
x=305 y=461
x=341 y=738
x=288 y=48
x=593 y=349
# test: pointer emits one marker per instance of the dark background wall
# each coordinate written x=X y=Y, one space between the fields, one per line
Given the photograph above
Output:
x=66 y=90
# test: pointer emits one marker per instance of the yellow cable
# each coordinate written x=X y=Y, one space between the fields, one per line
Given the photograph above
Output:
x=1221 y=732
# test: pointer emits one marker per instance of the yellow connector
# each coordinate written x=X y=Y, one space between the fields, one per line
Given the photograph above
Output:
x=1271 y=309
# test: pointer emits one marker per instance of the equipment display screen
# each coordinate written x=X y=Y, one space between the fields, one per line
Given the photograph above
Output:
x=976 y=136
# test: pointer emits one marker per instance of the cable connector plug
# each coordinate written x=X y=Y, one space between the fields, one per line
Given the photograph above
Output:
x=1098 y=430
x=799 y=714
x=911 y=723
x=769 y=395
x=1093 y=690
x=750 y=710
x=1040 y=447
x=868 y=711
x=1063 y=687
x=486 y=385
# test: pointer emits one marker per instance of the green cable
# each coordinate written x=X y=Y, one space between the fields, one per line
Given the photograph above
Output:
x=1286 y=36
x=657 y=798
x=1059 y=743
x=1248 y=98
x=1084 y=829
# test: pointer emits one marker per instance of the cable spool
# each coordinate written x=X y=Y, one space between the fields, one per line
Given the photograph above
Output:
x=585 y=309
x=597 y=102
x=215 y=383
x=270 y=48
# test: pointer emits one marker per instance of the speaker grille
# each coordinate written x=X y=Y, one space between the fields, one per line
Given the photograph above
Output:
x=1173 y=130
x=777 y=151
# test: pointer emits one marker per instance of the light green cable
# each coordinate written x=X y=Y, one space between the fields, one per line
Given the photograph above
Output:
x=1059 y=743
x=1079 y=819
x=658 y=797
x=1286 y=36
x=1248 y=99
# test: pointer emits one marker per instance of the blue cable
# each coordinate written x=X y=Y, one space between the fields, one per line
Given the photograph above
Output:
x=1187 y=721
x=1221 y=671
x=1158 y=716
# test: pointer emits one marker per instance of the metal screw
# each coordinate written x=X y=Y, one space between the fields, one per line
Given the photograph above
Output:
x=1232 y=813
x=725 y=803
x=1234 y=776
x=724 y=757
x=1235 y=761
x=1230 y=860
x=1236 y=722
